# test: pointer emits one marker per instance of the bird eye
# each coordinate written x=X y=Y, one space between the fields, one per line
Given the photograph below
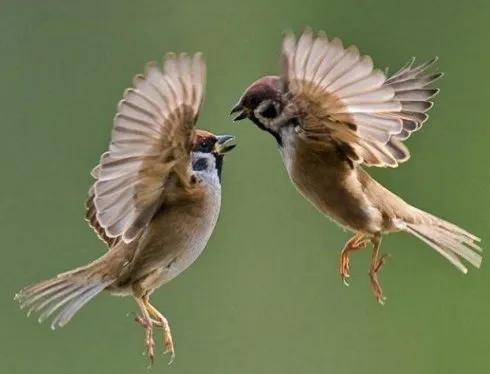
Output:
x=204 y=146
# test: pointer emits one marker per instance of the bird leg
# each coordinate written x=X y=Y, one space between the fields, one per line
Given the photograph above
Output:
x=146 y=321
x=163 y=323
x=152 y=317
x=377 y=263
x=358 y=241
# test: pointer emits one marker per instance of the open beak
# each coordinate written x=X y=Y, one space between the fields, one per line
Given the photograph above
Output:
x=239 y=112
x=224 y=144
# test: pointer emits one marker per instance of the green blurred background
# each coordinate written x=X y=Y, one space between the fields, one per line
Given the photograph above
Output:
x=265 y=296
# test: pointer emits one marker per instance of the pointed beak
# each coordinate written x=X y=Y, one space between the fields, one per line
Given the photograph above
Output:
x=224 y=144
x=239 y=112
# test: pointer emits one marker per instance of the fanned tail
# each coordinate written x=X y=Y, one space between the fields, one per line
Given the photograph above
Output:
x=449 y=240
x=62 y=296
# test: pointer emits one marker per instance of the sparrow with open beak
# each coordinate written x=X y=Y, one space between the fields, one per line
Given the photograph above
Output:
x=331 y=114
x=155 y=199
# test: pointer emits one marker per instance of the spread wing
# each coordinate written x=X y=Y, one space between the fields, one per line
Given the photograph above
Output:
x=91 y=214
x=341 y=98
x=149 y=153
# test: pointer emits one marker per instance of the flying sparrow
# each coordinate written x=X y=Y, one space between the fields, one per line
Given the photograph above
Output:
x=331 y=114
x=155 y=199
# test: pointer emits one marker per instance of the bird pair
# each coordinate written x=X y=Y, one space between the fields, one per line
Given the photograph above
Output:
x=157 y=191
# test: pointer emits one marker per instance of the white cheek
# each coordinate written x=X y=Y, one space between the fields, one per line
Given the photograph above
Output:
x=287 y=150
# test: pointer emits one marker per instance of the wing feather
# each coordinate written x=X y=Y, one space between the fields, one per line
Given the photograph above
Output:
x=149 y=152
x=338 y=90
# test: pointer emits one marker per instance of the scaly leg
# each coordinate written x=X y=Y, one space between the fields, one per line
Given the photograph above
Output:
x=152 y=317
x=162 y=322
x=358 y=241
x=377 y=263
x=146 y=321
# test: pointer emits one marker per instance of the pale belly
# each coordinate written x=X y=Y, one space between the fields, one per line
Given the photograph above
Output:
x=175 y=240
x=332 y=188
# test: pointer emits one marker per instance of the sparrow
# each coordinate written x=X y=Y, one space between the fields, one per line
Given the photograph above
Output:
x=332 y=114
x=155 y=200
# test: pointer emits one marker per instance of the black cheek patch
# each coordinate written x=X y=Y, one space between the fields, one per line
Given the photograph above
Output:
x=270 y=111
x=199 y=165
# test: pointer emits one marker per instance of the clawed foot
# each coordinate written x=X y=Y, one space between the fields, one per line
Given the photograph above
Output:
x=359 y=241
x=373 y=276
x=149 y=341
x=150 y=318
x=344 y=268
x=356 y=242
x=169 y=344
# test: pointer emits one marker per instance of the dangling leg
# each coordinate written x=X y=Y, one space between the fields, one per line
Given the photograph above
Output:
x=161 y=321
x=146 y=321
x=358 y=241
x=152 y=317
x=377 y=263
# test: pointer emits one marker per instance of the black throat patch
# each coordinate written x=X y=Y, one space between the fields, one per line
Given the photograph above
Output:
x=275 y=134
x=219 y=164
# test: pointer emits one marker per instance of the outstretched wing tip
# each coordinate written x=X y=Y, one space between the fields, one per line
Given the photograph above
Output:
x=162 y=106
x=337 y=86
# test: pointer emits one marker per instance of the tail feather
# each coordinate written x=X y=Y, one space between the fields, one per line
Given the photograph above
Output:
x=50 y=305
x=449 y=255
x=30 y=298
x=74 y=306
x=44 y=302
x=64 y=294
x=451 y=241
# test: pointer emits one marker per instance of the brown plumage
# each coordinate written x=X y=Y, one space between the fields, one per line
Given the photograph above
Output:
x=332 y=113
x=155 y=199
